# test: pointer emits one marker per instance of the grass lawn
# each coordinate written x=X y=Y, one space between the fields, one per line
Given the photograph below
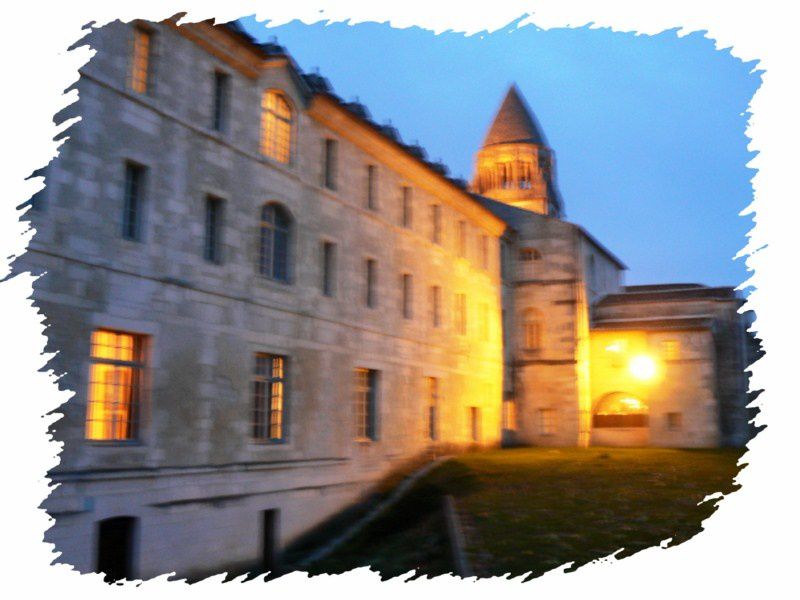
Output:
x=533 y=509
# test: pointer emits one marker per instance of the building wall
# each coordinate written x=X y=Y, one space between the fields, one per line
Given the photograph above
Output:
x=195 y=476
x=684 y=384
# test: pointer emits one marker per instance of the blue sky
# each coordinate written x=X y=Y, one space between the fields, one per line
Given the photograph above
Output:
x=648 y=131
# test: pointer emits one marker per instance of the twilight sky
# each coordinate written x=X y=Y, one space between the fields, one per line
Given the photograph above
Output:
x=648 y=131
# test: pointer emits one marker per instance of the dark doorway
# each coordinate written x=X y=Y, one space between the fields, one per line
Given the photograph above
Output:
x=115 y=538
x=269 y=554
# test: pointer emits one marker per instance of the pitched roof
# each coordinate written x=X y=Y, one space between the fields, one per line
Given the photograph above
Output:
x=514 y=122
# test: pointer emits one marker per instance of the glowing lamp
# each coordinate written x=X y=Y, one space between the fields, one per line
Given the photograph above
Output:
x=642 y=367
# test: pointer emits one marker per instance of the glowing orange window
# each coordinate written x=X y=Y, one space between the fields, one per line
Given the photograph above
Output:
x=115 y=384
x=140 y=69
x=276 y=127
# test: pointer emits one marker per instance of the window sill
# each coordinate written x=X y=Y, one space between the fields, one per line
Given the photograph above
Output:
x=114 y=443
x=364 y=441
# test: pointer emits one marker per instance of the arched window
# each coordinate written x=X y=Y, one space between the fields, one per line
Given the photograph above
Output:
x=276 y=127
x=532 y=329
x=529 y=254
x=273 y=255
x=619 y=409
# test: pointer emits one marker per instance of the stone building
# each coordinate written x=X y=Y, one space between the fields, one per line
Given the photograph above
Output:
x=264 y=302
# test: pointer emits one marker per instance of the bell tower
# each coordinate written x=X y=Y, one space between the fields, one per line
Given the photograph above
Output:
x=515 y=164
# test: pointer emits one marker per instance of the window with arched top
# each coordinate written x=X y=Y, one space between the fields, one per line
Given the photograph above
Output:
x=276 y=126
x=532 y=329
x=529 y=254
x=273 y=254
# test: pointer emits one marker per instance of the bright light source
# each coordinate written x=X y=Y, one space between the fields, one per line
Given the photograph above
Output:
x=642 y=367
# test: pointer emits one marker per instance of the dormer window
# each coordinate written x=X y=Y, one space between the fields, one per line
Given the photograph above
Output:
x=276 y=127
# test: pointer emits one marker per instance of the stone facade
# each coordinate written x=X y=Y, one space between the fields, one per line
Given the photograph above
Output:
x=479 y=301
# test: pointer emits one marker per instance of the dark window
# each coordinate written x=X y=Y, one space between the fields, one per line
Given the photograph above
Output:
x=484 y=251
x=269 y=390
x=475 y=423
x=674 y=421
x=436 y=224
x=328 y=268
x=329 y=164
x=372 y=187
x=115 y=545
x=432 y=388
x=436 y=304
x=134 y=202
x=212 y=245
x=408 y=299
x=273 y=259
x=269 y=535
x=366 y=381
x=408 y=214
x=371 y=274
x=462 y=239
x=219 y=115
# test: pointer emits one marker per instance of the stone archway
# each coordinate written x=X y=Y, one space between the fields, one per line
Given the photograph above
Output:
x=620 y=419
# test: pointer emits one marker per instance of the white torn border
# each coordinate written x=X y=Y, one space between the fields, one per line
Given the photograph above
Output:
x=746 y=546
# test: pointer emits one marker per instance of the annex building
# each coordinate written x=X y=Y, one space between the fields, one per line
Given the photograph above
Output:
x=264 y=302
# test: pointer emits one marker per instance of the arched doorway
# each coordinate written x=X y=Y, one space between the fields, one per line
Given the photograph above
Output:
x=620 y=419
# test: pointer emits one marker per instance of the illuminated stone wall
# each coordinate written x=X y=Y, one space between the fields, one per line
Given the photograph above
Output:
x=194 y=478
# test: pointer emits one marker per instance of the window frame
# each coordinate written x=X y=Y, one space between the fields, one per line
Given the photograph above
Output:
x=365 y=398
x=274 y=124
x=213 y=238
x=370 y=282
x=433 y=389
x=220 y=104
x=329 y=260
x=407 y=290
x=261 y=429
x=140 y=77
x=330 y=151
x=407 y=207
x=139 y=372
x=372 y=187
x=276 y=232
x=135 y=178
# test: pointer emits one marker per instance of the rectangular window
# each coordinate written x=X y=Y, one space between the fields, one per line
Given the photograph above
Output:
x=674 y=421
x=370 y=297
x=436 y=224
x=372 y=187
x=432 y=389
x=115 y=385
x=671 y=349
x=366 y=381
x=461 y=313
x=462 y=239
x=219 y=111
x=407 y=207
x=212 y=246
x=509 y=414
x=269 y=389
x=140 y=63
x=329 y=164
x=329 y=269
x=547 y=421
x=133 y=202
x=484 y=251
x=475 y=423
x=408 y=296
x=436 y=306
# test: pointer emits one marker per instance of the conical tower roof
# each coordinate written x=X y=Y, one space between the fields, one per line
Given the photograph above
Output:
x=514 y=122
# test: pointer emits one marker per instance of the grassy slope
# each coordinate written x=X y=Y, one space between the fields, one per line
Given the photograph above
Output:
x=533 y=509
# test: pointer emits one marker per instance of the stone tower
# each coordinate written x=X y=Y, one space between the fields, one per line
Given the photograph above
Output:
x=515 y=164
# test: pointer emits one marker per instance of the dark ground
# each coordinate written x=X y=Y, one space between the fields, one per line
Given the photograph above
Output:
x=534 y=509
